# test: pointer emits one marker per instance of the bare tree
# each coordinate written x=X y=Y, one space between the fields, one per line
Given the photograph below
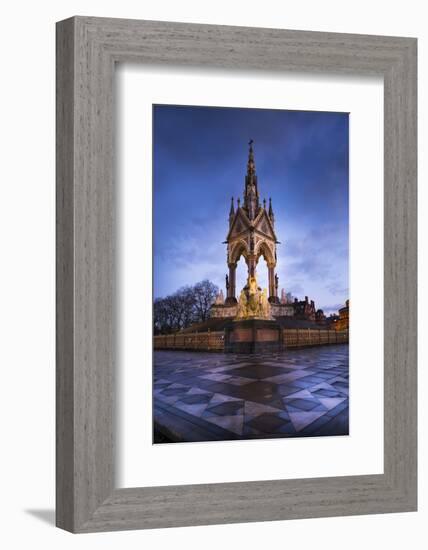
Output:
x=189 y=304
x=204 y=294
x=161 y=320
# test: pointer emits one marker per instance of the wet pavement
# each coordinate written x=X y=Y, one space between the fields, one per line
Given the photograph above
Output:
x=203 y=396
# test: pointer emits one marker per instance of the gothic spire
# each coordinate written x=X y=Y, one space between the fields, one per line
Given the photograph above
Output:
x=251 y=165
x=232 y=208
x=271 y=215
x=251 y=194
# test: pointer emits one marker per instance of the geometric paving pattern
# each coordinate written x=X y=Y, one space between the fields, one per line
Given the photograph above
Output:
x=205 y=396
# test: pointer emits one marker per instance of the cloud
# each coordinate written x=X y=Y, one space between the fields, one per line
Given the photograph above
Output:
x=337 y=289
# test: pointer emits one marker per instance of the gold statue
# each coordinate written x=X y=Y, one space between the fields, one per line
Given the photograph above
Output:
x=242 y=305
x=253 y=303
x=265 y=309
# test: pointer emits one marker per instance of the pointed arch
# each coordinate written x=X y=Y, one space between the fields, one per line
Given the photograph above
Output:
x=263 y=249
x=240 y=248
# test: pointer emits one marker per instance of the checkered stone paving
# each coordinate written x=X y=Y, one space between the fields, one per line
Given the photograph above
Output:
x=202 y=396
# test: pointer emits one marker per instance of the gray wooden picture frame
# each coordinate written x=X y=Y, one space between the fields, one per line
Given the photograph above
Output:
x=87 y=50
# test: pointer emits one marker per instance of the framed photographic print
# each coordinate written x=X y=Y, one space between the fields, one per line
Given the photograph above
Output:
x=247 y=390
x=236 y=274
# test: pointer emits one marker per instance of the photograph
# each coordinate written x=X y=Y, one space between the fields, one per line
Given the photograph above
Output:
x=250 y=274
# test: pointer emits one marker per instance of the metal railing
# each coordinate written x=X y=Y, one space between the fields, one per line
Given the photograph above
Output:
x=214 y=341
x=205 y=341
x=301 y=337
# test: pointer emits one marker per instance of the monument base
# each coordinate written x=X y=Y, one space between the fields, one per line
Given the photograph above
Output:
x=252 y=336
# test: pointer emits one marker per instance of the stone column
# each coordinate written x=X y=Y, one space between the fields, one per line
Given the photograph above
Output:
x=271 y=281
x=231 y=293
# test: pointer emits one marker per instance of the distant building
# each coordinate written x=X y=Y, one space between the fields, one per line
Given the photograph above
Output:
x=284 y=299
x=320 y=318
x=304 y=309
x=343 y=321
x=331 y=321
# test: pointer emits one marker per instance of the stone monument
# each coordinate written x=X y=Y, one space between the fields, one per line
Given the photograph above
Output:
x=251 y=235
x=251 y=324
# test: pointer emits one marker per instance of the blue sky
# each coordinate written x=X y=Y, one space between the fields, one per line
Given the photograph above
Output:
x=200 y=156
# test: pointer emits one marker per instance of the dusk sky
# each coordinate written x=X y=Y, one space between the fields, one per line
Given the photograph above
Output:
x=200 y=158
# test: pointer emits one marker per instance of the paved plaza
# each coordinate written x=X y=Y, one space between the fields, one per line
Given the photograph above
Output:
x=202 y=396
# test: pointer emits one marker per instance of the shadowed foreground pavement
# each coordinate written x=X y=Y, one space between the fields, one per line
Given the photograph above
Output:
x=202 y=396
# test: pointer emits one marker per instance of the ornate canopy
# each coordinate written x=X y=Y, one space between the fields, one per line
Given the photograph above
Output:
x=251 y=234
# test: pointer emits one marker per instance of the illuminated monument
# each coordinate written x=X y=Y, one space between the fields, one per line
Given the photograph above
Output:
x=251 y=235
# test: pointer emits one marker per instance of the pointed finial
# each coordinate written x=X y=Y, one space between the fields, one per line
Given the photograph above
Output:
x=251 y=167
x=231 y=211
x=264 y=204
x=232 y=207
x=239 y=202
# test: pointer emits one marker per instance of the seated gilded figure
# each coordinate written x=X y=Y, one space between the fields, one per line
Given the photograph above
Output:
x=253 y=303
